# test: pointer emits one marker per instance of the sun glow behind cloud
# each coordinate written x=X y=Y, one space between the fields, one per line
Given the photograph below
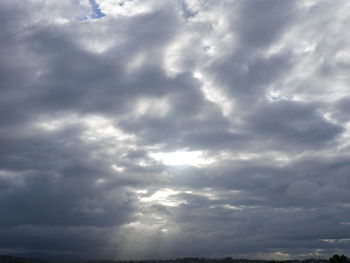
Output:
x=178 y=158
x=164 y=197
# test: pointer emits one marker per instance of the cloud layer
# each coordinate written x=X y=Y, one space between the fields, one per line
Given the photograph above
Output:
x=157 y=129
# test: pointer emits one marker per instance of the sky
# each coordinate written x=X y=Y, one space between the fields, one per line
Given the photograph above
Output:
x=142 y=129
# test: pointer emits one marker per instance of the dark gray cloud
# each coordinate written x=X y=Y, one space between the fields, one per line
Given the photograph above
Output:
x=261 y=23
x=191 y=128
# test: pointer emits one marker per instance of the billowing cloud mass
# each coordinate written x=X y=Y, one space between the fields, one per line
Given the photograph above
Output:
x=158 y=129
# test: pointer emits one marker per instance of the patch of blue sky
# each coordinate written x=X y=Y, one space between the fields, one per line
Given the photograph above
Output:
x=96 y=11
x=206 y=48
x=186 y=12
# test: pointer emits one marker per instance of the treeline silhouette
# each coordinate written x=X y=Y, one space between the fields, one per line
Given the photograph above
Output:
x=338 y=259
x=207 y=260
x=13 y=259
x=334 y=259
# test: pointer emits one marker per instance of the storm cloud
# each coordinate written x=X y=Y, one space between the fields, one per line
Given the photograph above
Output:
x=158 y=129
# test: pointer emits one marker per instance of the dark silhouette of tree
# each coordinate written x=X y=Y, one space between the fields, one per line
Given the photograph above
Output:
x=338 y=259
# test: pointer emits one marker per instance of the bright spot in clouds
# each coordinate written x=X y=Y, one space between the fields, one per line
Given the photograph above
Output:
x=164 y=197
x=177 y=158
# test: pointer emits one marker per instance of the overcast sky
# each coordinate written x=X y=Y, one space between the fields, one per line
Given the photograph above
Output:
x=171 y=128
